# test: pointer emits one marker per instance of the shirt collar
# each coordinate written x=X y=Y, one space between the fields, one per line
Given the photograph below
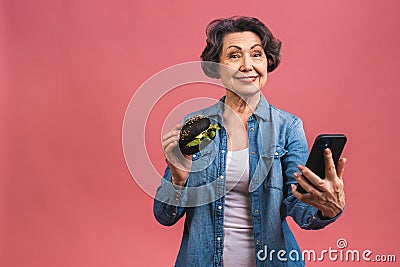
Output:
x=262 y=110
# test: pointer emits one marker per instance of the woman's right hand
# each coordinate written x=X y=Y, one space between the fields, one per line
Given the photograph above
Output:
x=178 y=163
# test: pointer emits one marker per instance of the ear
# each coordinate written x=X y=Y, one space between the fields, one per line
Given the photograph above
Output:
x=272 y=62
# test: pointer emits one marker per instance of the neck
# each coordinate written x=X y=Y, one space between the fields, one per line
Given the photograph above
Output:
x=243 y=107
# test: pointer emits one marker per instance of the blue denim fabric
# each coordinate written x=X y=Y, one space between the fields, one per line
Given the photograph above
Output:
x=277 y=144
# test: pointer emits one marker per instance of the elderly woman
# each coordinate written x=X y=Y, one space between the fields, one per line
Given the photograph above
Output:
x=240 y=220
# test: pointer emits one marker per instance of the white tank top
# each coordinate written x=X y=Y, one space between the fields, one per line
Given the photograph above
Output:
x=238 y=226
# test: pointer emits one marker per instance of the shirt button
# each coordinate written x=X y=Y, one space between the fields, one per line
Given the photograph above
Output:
x=255 y=211
x=255 y=180
x=221 y=177
x=194 y=156
x=258 y=242
x=276 y=154
x=222 y=151
x=251 y=129
x=219 y=207
x=218 y=238
x=174 y=213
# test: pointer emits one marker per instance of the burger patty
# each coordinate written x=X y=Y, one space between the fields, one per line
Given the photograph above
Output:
x=196 y=133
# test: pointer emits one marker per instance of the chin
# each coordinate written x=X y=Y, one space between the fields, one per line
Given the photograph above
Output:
x=246 y=92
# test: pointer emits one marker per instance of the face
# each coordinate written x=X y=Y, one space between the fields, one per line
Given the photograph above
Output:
x=244 y=68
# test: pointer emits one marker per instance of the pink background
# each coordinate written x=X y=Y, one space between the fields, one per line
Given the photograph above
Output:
x=68 y=70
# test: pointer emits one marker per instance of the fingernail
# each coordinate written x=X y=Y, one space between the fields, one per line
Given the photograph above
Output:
x=327 y=151
x=300 y=167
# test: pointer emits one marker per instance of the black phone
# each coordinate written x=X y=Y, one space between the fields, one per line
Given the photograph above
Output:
x=316 y=161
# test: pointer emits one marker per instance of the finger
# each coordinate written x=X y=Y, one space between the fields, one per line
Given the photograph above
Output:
x=169 y=145
x=168 y=138
x=302 y=197
x=172 y=133
x=306 y=184
x=330 y=170
x=340 y=167
x=171 y=137
x=314 y=179
x=296 y=193
x=177 y=127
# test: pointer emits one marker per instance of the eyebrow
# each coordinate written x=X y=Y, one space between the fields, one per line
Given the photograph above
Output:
x=239 y=48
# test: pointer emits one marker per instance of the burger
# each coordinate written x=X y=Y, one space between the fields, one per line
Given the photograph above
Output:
x=196 y=133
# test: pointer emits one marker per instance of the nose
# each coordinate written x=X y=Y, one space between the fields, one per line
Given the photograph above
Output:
x=246 y=65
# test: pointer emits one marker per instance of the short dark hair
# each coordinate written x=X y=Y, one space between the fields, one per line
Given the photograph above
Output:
x=217 y=29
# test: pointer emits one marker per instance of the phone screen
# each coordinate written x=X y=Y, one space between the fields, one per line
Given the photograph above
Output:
x=316 y=160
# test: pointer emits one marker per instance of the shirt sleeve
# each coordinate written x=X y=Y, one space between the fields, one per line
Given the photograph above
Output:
x=305 y=215
x=169 y=202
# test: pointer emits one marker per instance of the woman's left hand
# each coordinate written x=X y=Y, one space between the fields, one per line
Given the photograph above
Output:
x=327 y=195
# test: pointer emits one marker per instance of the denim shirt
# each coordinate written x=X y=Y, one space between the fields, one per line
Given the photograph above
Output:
x=277 y=144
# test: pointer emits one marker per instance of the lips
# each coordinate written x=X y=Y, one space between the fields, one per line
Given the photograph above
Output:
x=247 y=79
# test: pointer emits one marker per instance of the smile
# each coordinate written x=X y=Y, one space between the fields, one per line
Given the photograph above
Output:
x=247 y=79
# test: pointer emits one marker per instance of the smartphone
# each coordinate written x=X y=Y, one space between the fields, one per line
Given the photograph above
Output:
x=316 y=160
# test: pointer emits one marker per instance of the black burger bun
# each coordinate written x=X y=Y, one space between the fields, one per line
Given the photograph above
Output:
x=190 y=129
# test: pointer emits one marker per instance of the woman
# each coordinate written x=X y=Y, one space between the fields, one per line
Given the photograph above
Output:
x=258 y=151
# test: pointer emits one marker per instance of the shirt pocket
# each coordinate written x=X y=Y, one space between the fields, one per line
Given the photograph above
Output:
x=201 y=161
x=275 y=175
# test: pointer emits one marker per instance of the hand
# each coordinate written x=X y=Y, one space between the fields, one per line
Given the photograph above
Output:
x=327 y=194
x=178 y=163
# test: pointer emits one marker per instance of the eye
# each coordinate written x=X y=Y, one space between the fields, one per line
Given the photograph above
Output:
x=234 y=55
x=257 y=54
